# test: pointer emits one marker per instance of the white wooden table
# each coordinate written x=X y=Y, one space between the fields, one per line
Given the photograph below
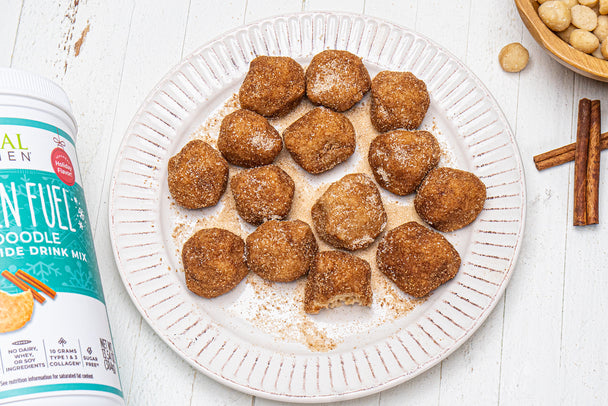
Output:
x=545 y=342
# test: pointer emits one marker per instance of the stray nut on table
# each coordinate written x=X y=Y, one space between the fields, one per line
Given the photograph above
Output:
x=513 y=57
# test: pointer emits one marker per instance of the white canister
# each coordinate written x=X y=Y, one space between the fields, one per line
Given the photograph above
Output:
x=55 y=342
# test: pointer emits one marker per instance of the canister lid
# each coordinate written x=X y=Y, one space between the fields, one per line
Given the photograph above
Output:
x=24 y=83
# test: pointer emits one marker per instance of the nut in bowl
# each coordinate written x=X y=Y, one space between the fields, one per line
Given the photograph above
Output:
x=585 y=64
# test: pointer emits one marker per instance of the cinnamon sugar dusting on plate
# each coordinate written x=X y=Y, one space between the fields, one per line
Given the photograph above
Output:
x=276 y=309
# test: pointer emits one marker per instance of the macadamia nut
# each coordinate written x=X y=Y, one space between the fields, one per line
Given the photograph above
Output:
x=513 y=57
x=588 y=3
x=587 y=30
x=555 y=14
x=584 y=41
x=601 y=31
x=596 y=10
x=583 y=18
x=565 y=35
x=598 y=53
x=570 y=3
x=604 y=48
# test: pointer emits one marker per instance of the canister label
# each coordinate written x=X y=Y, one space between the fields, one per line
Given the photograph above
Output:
x=56 y=338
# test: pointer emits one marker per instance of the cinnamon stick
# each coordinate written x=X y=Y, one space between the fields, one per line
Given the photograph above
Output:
x=580 y=162
x=563 y=154
x=23 y=286
x=593 y=165
x=26 y=277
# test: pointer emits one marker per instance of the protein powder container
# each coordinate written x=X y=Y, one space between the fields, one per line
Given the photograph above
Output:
x=55 y=342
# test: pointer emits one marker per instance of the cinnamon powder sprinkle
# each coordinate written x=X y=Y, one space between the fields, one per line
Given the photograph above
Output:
x=80 y=41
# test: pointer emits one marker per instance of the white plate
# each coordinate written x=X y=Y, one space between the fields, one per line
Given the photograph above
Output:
x=256 y=338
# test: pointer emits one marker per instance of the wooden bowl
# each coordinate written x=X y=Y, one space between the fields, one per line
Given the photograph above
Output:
x=571 y=58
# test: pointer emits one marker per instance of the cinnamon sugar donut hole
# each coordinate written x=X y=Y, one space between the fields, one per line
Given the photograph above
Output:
x=399 y=100
x=337 y=278
x=350 y=214
x=247 y=139
x=197 y=175
x=214 y=262
x=262 y=193
x=400 y=159
x=449 y=199
x=320 y=140
x=418 y=260
x=336 y=79
x=281 y=251
x=273 y=86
